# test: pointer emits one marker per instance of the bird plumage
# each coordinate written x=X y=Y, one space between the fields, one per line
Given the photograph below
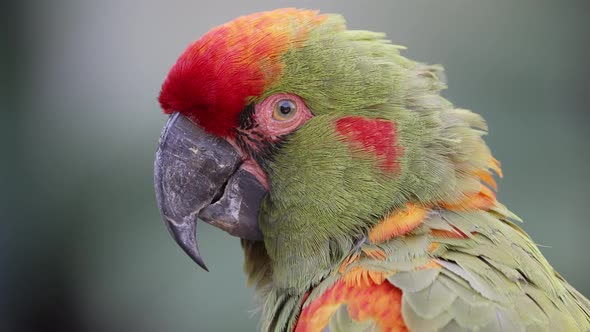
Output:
x=381 y=212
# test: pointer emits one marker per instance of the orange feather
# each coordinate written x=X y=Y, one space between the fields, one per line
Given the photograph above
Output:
x=371 y=301
x=398 y=223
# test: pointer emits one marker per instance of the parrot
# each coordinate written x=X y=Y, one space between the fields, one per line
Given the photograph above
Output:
x=364 y=200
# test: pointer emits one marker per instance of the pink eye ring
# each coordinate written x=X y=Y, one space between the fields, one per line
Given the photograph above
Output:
x=281 y=113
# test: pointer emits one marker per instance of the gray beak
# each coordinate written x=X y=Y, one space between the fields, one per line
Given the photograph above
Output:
x=198 y=176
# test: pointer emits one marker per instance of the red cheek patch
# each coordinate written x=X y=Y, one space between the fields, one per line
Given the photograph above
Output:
x=375 y=136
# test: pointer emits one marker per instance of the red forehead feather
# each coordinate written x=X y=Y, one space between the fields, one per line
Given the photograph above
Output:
x=214 y=77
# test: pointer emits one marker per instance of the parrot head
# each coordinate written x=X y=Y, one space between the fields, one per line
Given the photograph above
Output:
x=287 y=128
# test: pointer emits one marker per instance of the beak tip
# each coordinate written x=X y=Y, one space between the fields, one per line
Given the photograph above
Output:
x=185 y=236
x=199 y=260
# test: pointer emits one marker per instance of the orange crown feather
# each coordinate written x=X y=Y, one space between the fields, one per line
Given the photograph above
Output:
x=213 y=79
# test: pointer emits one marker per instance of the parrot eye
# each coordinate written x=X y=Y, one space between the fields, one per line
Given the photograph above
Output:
x=280 y=114
x=284 y=109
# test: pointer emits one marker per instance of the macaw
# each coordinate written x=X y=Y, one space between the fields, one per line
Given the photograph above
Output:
x=364 y=200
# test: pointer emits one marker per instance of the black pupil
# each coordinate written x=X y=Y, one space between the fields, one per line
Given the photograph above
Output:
x=285 y=107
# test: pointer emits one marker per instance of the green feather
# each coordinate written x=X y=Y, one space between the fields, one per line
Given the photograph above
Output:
x=431 y=301
x=414 y=281
x=325 y=196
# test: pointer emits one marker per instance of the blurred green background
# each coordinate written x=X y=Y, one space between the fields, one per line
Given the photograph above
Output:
x=82 y=246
